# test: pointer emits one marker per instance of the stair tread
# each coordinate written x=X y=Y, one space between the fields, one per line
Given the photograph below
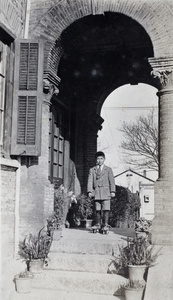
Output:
x=73 y=274
x=114 y=233
x=96 y=263
x=84 y=241
x=94 y=283
x=81 y=255
x=87 y=235
x=46 y=294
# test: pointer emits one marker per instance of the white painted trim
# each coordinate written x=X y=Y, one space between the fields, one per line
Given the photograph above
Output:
x=9 y=162
x=16 y=226
x=27 y=17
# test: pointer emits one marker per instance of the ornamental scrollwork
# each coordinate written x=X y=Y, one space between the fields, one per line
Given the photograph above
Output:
x=49 y=88
x=165 y=77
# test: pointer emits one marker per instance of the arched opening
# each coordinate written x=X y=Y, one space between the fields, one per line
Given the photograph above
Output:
x=101 y=53
x=125 y=104
x=130 y=116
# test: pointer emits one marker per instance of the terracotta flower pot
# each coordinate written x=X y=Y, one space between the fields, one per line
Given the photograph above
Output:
x=89 y=223
x=136 y=273
x=23 y=285
x=133 y=294
x=36 y=266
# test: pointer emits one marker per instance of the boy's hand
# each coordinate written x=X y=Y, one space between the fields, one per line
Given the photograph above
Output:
x=112 y=194
x=90 y=195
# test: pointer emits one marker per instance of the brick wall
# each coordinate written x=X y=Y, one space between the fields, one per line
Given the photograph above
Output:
x=12 y=16
x=36 y=191
x=24 y=208
x=48 y=19
x=36 y=199
x=8 y=205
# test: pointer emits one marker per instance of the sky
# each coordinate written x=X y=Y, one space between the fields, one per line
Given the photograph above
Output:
x=124 y=104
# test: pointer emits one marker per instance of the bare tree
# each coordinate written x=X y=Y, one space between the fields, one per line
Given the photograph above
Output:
x=140 y=142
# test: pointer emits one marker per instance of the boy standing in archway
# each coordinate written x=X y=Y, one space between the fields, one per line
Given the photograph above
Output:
x=101 y=187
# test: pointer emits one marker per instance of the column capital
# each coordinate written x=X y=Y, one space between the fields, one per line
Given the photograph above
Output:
x=163 y=71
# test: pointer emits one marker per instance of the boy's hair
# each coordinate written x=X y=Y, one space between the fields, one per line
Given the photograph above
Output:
x=99 y=153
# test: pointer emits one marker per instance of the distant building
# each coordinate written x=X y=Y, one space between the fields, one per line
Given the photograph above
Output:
x=142 y=185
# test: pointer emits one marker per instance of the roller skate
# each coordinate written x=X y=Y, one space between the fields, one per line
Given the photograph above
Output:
x=95 y=228
x=105 y=229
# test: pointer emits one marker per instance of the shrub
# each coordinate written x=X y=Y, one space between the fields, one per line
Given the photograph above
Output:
x=84 y=206
x=124 y=208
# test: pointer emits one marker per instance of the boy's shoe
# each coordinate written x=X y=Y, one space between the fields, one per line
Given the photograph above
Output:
x=105 y=229
x=96 y=228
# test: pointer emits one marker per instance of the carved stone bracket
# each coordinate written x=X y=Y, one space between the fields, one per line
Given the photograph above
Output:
x=50 y=85
x=94 y=121
x=163 y=71
x=49 y=90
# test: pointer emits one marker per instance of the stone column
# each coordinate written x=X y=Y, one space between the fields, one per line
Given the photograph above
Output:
x=162 y=229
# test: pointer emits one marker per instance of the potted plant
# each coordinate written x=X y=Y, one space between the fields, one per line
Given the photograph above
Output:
x=142 y=227
x=85 y=210
x=35 y=249
x=63 y=199
x=137 y=256
x=23 y=282
x=133 y=290
x=54 y=227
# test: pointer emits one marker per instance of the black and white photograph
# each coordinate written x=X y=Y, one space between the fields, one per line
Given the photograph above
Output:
x=86 y=149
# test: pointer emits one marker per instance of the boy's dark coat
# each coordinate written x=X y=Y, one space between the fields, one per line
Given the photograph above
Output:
x=101 y=188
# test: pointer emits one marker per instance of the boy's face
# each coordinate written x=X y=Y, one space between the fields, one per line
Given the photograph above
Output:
x=100 y=160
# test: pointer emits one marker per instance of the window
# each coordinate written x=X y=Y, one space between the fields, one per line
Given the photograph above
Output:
x=56 y=145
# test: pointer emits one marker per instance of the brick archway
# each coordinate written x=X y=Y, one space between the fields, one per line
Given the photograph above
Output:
x=53 y=18
x=49 y=20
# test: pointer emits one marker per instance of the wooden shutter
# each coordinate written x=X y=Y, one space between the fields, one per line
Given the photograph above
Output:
x=27 y=98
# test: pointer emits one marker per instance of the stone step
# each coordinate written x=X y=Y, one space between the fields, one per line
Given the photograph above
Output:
x=80 y=282
x=40 y=294
x=84 y=247
x=79 y=262
x=85 y=242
